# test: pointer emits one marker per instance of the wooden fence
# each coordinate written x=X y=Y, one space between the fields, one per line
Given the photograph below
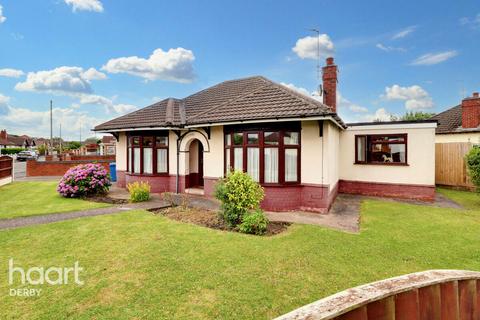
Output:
x=450 y=166
x=429 y=295
x=6 y=170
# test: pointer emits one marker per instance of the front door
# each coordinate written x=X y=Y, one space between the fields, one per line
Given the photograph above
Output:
x=200 y=164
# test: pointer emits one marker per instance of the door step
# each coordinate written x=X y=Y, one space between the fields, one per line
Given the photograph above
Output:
x=195 y=191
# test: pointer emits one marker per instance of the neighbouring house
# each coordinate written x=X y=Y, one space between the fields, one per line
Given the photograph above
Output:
x=107 y=146
x=15 y=141
x=297 y=147
x=89 y=149
x=460 y=123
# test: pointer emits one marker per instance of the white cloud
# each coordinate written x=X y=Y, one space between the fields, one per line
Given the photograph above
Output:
x=11 y=73
x=85 y=5
x=110 y=106
x=415 y=97
x=94 y=74
x=389 y=48
x=403 y=33
x=344 y=103
x=473 y=22
x=307 y=48
x=173 y=65
x=380 y=115
x=37 y=123
x=4 y=104
x=62 y=80
x=2 y=17
x=298 y=89
x=434 y=58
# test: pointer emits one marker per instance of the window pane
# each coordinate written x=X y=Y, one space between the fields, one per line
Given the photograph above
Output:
x=130 y=164
x=136 y=160
x=228 y=165
x=238 y=139
x=361 y=145
x=228 y=139
x=162 y=161
x=238 y=159
x=162 y=141
x=136 y=141
x=253 y=163
x=147 y=160
x=252 y=138
x=388 y=153
x=271 y=138
x=271 y=165
x=291 y=165
x=148 y=142
x=291 y=138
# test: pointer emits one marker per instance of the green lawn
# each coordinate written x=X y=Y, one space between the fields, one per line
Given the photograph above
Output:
x=21 y=199
x=138 y=265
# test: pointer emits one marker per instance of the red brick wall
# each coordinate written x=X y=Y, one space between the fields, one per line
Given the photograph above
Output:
x=55 y=168
x=158 y=183
x=405 y=191
x=121 y=179
x=471 y=112
x=111 y=158
x=209 y=186
x=315 y=198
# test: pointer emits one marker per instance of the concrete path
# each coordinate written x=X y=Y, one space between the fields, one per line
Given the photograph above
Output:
x=155 y=203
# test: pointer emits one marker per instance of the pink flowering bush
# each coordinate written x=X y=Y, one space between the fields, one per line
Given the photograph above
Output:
x=83 y=180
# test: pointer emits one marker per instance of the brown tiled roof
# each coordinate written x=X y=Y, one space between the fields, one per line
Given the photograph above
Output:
x=450 y=121
x=253 y=98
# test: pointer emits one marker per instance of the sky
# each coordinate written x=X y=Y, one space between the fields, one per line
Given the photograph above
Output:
x=99 y=59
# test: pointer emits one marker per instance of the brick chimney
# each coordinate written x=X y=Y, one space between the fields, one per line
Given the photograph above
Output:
x=3 y=135
x=471 y=111
x=329 y=79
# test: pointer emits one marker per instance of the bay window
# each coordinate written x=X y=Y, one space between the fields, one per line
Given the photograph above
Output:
x=268 y=155
x=147 y=154
x=389 y=149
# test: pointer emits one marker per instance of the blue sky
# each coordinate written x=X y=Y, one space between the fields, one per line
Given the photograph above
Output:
x=392 y=56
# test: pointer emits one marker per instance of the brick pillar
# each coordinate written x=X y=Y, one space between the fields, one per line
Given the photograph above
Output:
x=471 y=111
x=329 y=79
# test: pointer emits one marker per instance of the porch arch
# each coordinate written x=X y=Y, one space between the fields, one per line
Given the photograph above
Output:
x=191 y=136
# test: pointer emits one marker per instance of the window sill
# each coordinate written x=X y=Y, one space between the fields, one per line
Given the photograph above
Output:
x=382 y=164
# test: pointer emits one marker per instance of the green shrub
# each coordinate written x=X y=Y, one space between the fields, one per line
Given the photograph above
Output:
x=239 y=194
x=139 y=191
x=12 y=150
x=473 y=165
x=254 y=223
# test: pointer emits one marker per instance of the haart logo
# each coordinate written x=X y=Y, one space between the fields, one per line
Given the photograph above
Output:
x=40 y=276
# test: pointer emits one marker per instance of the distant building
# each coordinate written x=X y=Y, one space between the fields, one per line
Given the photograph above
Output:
x=14 y=141
x=107 y=146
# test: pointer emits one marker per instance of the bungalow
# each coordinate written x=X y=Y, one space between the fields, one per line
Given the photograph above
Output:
x=460 y=123
x=297 y=147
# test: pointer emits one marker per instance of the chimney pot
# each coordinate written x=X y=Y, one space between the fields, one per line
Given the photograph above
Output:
x=475 y=95
x=330 y=61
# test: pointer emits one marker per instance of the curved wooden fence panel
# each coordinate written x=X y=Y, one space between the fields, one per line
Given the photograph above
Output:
x=429 y=295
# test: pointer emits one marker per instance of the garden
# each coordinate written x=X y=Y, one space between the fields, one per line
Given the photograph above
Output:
x=140 y=264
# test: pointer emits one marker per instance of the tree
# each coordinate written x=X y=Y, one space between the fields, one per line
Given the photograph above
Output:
x=72 y=145
x=416 y=115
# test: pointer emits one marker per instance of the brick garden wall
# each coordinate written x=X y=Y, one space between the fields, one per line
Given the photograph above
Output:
x=56 y=168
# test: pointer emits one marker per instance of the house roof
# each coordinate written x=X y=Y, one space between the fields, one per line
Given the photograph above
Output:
x=108 y=139
x=247 y=99
x=450 y=121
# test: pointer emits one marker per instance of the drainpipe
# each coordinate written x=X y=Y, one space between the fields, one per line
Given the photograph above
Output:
x=177 y=177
